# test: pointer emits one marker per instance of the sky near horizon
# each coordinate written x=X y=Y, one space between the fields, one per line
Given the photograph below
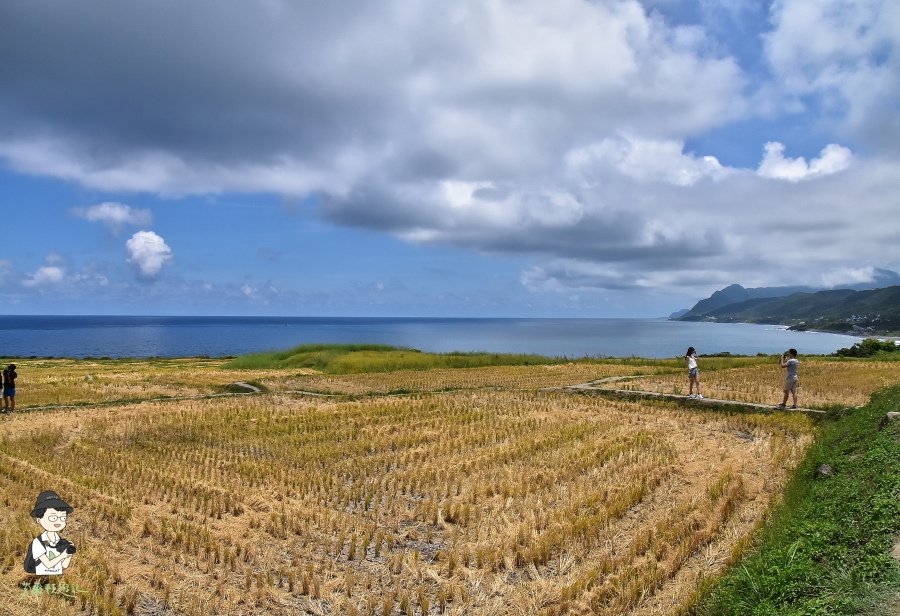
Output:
x=525 y=158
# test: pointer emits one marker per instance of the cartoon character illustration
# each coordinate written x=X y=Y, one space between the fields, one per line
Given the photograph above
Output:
x=49 y=554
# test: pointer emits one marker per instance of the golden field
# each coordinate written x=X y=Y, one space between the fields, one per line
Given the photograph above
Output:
x=824 y=383
x=46 y=382
x=494 y=498
x=496 y=377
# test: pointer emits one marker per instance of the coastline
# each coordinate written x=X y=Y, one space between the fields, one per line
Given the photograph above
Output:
x=861 y=333
x=169 y=337
x=880 y=334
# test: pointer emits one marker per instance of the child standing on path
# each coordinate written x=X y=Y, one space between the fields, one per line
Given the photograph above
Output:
x=693 y=372
x=790 y=362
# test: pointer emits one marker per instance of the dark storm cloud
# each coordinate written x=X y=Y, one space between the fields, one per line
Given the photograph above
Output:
x=186 y=77
x=310 y=80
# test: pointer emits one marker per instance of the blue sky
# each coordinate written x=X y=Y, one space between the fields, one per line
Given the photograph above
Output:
x=475 y=158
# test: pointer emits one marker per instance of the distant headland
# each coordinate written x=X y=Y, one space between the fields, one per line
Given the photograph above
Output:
x=873 y=311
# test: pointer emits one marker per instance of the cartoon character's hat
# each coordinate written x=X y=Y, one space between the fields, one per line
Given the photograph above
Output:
x=49 y=500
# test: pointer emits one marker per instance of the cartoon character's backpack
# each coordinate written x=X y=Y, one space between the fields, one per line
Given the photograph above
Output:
x=30 y=562
x=62 y=545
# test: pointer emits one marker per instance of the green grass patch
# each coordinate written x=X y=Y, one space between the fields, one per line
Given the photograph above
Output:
x=359 y=358
x=826 y=549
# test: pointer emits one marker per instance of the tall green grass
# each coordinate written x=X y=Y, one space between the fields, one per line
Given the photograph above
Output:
x=825 y=552
x=357 y=358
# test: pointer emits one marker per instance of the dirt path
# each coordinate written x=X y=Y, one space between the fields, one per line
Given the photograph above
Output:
x=253 y=389
x=595 y=387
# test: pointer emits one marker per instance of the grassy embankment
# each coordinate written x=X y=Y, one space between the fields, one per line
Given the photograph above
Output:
x=357 y=358
x=825 y=551
x=360 y=358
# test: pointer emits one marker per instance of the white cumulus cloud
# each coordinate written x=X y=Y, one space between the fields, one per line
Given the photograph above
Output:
x=833 y=158
x=847 y=53
x=44 y=276
x=114 y=215
x=148 y=253
x=647 y=160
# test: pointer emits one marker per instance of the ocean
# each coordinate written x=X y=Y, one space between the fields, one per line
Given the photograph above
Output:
x=136 y=336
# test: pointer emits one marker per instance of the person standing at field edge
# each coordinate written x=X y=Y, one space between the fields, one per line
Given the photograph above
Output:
x=693 y=372
x=790 y=362
x=9 y=388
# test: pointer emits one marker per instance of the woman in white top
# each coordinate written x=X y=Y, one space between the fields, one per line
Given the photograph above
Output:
x=690 y=359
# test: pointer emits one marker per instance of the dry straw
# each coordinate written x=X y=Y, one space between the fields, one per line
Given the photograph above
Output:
x=486 y=501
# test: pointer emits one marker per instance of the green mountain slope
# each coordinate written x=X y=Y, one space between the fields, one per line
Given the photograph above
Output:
x=735 y=293
x=875 y=311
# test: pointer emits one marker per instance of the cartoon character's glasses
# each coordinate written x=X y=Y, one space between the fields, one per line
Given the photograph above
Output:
x=54 y=518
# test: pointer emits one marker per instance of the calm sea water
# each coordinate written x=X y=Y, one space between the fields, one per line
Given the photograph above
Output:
x=128 y=336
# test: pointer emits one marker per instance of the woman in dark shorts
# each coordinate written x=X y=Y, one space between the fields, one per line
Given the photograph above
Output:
x=690 y=358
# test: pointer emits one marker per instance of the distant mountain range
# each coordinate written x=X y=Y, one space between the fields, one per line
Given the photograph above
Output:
x=872 y=307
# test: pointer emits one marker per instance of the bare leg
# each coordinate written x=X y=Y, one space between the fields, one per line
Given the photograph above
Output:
x=12 y=403
x=784 y=402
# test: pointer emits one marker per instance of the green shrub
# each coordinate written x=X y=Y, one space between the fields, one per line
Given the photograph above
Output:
x=868 y=348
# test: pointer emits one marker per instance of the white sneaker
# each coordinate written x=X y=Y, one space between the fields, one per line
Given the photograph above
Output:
x=699 y=395
x=692 y=396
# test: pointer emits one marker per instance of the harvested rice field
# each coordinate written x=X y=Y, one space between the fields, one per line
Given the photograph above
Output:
x=823 y=383
x=467 y=491
x=497 y=377
x=67 y=382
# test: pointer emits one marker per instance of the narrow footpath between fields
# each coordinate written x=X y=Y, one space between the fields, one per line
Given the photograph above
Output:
x=599 y=387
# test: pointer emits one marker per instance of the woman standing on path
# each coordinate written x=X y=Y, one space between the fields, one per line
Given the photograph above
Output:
x=9 y=388
x=693 y=372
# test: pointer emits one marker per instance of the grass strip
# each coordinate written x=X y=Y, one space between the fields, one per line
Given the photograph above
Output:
x=359 y=358
x=826 y=549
